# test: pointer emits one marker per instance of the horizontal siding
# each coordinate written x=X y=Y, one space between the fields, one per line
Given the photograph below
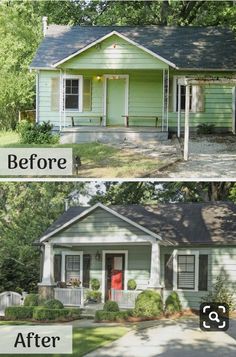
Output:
x=100 y=224
x=123 y=56
x=221 y=260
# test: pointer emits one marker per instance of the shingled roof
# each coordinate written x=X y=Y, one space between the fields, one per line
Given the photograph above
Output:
x=186 y=47
x=180 y=223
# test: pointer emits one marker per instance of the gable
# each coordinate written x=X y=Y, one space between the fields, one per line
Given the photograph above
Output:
x=114 y=53
x=99 y=224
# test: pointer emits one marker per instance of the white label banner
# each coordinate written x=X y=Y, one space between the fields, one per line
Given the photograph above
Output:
x=36 y=162
x=36 y=339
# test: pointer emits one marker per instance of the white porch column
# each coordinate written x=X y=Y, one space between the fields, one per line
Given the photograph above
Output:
x=186 y=123
x=48 y=267
x=154 y=281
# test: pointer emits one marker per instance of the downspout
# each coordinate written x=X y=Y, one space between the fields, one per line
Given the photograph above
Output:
x=163 y=99
x=61 y=99
x=37 y=96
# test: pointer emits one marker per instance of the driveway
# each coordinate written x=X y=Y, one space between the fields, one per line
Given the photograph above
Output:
x=180 y=338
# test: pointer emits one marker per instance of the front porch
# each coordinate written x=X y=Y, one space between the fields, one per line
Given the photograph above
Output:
x=82 y=134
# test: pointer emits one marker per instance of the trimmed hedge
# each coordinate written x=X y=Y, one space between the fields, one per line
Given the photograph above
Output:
x=102 y=315
x=31 y=300
x=95 y=284
x=19 y=312
x=132 y=285
x=172 y=303
x=148 y=304
x=41 y=313
x=111 y=306
x=53 y=304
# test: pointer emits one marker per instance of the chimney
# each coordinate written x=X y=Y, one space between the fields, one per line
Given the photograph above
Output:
x=45 y=25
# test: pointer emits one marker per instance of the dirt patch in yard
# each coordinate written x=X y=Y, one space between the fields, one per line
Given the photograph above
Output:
x=212 y=156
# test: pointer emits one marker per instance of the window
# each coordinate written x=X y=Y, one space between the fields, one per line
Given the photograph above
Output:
x=168 y=271
x=72 y=267
x=87 y=95
x=203 y=272
x=55 y=94
x=72 y=93
x=186 y=272
x=182 y=97
x=196 y=100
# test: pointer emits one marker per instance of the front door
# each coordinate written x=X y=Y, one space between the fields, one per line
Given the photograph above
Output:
x=114 y=273
x=115 y=101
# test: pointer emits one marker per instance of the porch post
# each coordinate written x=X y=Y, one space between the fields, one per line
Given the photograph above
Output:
x=186 y=123
x=179 y=110
x=154 y=281
x=47 y=278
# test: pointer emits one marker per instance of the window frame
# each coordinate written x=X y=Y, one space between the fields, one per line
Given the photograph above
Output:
x=181 y=80
x=80 y=93
x=178 y=252
x=63 y=264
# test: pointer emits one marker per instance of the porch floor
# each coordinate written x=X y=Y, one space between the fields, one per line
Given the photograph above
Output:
x=82 y=134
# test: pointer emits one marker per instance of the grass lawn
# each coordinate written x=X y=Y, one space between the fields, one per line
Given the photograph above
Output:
x=84 y=339
x=99 y=160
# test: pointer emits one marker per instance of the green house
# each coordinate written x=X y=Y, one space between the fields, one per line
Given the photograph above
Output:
x=180 y=247
x=130 y=82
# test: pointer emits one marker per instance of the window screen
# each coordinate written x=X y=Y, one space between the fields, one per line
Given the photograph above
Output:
x=87 y=95
x=186 y=272
x=203 y=272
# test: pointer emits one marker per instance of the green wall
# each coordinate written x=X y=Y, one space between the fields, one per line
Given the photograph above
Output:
x=114 y=53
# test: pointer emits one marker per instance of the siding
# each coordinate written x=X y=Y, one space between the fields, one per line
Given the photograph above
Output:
x=217 y=105
x=123 y=56
x=220 y=260
x=145 y=96
x=100 y=224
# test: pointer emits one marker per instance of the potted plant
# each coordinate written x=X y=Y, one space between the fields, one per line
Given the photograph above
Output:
x=74 y=282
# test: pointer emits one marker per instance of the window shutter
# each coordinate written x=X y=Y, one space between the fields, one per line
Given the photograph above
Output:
x=86 y=270
x=55 y=94
x=168 y=271
x=57 y=267
x=198 y=99
x=203 y=272
x=87 y=95
x=171 y=90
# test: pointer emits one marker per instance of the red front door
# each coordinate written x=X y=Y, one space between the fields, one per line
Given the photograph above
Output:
x=114 y=273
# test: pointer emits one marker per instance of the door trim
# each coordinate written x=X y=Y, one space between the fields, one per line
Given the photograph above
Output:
x=104 y=252
x=105 y=92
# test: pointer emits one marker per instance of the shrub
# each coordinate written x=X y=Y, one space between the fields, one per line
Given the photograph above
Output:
x=172 y=303
x=205 y=128
x=94 y=295
x=36 y=133
x=111 y=306
x=41 y=314
x=95 y=284
x=53 y=304
x=148 y=304
x=32 y=300
x=221 y=293
x=19 y=312
x=112 y=315
x=132 y=284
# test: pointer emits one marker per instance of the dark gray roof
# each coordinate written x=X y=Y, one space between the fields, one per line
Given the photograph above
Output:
x=186 y=47
x=180 y=223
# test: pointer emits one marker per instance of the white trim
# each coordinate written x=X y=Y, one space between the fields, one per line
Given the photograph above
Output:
x=100 y=205
x=105 y=92
x=104 y=252
x=100 y=240
x=80 y=94
x=233 y=109
x=177 y=252
x=124 y=38
x=37 y=97
x=64 y=253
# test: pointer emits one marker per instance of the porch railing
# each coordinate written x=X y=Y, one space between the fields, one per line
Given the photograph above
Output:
x=125 y=298
x=70 y=297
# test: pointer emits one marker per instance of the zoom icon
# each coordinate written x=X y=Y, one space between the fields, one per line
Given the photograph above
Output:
x=214 y=317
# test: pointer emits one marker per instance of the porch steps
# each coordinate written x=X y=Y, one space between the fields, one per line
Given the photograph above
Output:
x=72 y=135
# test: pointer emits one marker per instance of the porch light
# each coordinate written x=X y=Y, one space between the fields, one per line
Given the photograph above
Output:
x=98 y=256
x=98 y=78
x=114 y=45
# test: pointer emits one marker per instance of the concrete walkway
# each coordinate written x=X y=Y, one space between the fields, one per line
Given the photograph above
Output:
x=180 y=338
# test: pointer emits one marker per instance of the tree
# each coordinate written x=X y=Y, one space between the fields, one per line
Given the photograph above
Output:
x=26 y=211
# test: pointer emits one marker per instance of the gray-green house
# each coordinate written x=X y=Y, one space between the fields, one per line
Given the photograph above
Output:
x=93 y=81
x=181 y=247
